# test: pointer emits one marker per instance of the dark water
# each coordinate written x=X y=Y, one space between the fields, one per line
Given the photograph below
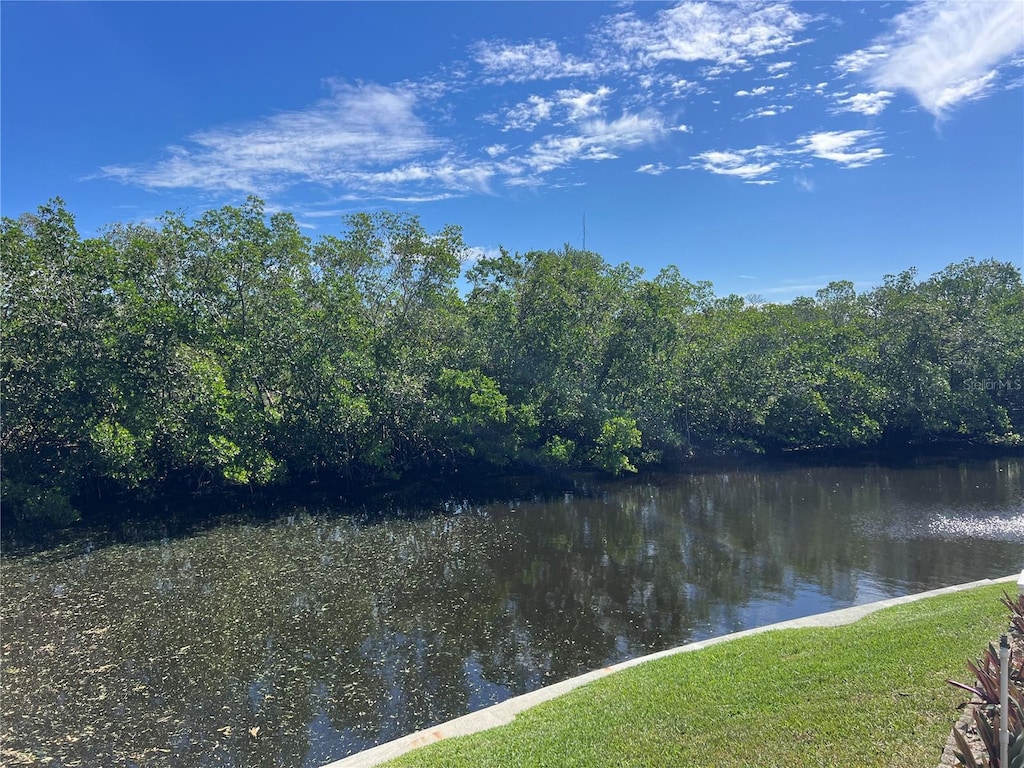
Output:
x=305 y=639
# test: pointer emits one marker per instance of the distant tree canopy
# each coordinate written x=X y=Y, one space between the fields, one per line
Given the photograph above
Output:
x=234 y=350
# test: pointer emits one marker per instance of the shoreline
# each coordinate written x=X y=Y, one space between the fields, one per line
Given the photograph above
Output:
x=505 y=712
x=179 y=512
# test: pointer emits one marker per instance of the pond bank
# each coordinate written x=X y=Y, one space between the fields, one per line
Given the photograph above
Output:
x=504 y=713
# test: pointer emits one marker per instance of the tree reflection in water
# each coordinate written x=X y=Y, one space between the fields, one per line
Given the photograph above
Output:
x=302 y=640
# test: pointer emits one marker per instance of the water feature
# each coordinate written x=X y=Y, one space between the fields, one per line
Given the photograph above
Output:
x=303 y=638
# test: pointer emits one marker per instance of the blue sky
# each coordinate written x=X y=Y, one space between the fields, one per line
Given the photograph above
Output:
x=767 y=147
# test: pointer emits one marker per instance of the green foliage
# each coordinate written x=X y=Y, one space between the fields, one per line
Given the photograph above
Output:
x=117 y=452
x=558 y=451
x=618 y=437
x=1015 y=605
x=36 y=503
x=233 y=349
x=986 y=724
x=471 y=415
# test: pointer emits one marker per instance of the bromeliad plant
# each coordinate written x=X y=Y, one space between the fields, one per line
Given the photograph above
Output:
x=1016 y=607
x=986 y=672
x=986 y=722
x=986 y=713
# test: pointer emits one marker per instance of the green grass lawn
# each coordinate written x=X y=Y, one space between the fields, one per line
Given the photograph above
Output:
x=871 y=693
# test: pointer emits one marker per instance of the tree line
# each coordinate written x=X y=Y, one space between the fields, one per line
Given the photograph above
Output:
x=232 y=349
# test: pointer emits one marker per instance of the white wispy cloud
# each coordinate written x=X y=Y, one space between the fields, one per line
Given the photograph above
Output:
x=795 y=289
x=763 y=163
x=596 y=140
x=504 y=62
x=451 y=173
x=654 y=169
x=848 y=148
x=582 y=104
x=569 y=104
x=395 y=198
x=858 y=61
x=803 y=182
x=404 y=142
x=807 y=285
x=332 y=213
x=370 y=141
x=681 y=86
x=696 y=31
x=527 y=115
x=870 y=104
x=355 y=128
x=944 y=53
x=759 y=91
x=772 y=110
x=748 y=164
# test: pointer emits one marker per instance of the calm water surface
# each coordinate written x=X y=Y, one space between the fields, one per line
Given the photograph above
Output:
x=305 y=639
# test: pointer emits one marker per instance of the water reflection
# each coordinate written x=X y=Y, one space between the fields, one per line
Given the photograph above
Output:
x=301 y=641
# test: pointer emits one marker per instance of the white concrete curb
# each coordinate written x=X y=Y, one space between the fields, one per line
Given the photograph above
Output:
x=504 y=712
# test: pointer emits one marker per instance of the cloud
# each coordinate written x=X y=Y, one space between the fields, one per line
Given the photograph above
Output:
x=807 y=285
x=474 y=253
x=451 y=173
x=772 y=110
x=334 y=213
x=355 y=128
x=572 y=103
x=375 y=142
x=747 y=164
x=804 y=183
x=527 y=115
x=415 y=198
x=597 y=140
x=682 y=86
x=844 y=147
x=540 y=60
x=858 y=61
x=759 y=91
x=696 y=31
x=865 y=103
x=944 y=53
x=581 y=104
x=760 y=164
x=628 y=130
x=804 y=289
x=654 y=169
x=370 y=141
